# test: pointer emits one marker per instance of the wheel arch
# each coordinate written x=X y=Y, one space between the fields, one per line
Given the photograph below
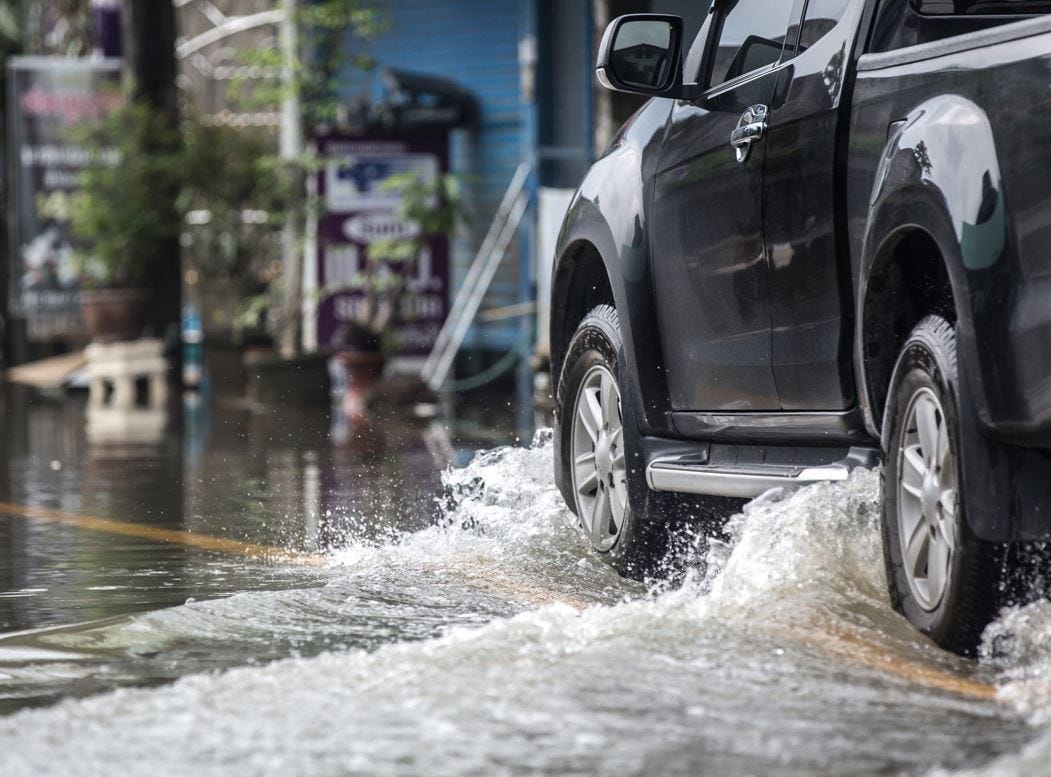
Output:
x=581 y=282
x=915 y=269
x=931 y=223
x=908 y=279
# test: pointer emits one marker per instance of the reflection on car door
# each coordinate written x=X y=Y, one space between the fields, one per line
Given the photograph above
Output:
x=809 y=284
x=709 y=255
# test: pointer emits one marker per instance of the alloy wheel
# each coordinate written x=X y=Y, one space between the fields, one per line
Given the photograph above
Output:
x=927 y=499
x=599 y=469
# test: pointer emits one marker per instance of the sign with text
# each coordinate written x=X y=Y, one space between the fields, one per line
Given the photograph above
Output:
x=357 y=210
x=47 y=99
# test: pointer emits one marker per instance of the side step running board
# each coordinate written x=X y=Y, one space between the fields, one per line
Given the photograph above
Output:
x=680 y=475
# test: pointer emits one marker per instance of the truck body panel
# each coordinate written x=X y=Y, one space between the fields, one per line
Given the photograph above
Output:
x=762 y=308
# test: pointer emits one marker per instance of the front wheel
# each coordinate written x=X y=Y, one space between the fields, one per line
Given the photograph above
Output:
x=593 y=451
x=598 y=474
x=944 y=579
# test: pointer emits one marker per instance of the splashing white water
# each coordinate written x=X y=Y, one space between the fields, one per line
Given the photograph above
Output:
x=1016 y=648
x=823 y=538
x=535 y=658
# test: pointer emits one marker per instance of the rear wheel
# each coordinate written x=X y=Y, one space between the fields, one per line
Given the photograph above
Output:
x=593 y=450
x=944 y=579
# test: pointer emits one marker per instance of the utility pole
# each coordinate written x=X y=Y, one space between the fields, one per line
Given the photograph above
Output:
x=291 y=147
x=148 y=28
x=149 y=50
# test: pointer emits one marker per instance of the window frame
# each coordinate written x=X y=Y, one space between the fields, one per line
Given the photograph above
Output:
x=802 y=21
x=717 y=18
x=885 y=36
x=917 y=6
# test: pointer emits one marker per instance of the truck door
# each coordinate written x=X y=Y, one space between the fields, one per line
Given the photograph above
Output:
x=706 y=236
x=807 y=254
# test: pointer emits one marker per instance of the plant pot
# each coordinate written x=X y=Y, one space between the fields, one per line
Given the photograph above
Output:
x=113 y=315
x=364 y=370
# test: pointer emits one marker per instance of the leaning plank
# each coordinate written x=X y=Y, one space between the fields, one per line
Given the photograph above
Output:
x=48 y=373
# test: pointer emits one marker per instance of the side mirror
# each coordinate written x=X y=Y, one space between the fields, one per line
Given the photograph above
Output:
x=642 y=54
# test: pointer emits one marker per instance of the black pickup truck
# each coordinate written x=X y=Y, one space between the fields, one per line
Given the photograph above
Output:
x=825 y=243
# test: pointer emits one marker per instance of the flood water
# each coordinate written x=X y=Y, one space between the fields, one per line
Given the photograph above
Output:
x=382 y=599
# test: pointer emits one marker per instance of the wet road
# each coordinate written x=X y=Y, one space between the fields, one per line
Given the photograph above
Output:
x=284 y=593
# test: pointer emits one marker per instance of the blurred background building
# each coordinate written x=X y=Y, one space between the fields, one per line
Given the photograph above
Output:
x=511 y=83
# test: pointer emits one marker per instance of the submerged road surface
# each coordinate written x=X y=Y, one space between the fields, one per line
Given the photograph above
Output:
x=475 y=634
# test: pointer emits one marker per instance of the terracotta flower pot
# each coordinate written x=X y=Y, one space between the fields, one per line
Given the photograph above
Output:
x=364 y=370
x=112 y=315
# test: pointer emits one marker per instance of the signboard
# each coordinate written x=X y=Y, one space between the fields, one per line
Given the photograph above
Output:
x=356 y=211
x=48 y=98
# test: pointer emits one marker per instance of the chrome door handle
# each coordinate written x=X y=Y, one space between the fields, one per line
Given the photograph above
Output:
x=750 y=128
x=747 y=134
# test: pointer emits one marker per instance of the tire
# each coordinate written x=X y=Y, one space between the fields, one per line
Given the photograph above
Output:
x=941 y=577
x=590 y=419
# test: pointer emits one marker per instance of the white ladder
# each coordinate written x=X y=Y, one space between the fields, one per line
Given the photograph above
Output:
x=476 y=284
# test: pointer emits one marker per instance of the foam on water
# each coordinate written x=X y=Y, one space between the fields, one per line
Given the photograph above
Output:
x=820 y=539
x=495 y=643
x=503 y=543
x=1017 y=650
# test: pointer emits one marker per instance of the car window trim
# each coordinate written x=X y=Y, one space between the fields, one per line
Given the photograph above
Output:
x=1018 y=30
x=803 y=21
x=796 y=18
x=742 y=80
x=917 y=8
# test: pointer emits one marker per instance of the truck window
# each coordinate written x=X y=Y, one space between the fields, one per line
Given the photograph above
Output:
x=821 y=16
x=960 y=7
x=901 y=23
x=751 y=36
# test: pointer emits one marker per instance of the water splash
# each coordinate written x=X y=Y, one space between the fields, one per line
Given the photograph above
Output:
x=823 y=538
x=1016 y=650
x=494 y=642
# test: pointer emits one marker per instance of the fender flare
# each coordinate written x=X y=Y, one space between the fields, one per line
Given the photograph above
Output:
x=609 y=214
x=919 y=185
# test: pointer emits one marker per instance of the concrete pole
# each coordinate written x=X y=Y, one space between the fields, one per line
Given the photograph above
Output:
x=149 y=34
x=604 y=128
x=528 y=110
x=291 y=148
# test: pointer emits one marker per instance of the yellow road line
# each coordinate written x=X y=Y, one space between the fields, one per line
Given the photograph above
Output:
x=844 y=645
x=154 y=534
x=852 y=648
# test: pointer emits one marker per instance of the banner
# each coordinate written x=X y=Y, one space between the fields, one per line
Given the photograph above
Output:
x=356 y=211
x=48 y=98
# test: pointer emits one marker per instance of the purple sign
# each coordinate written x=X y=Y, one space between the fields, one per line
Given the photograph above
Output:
x=357 y=210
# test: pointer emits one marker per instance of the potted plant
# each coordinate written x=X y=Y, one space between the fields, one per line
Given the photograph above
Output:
x=237 y=197
x=305 y=75
x=429 y=208
x=127 y=205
